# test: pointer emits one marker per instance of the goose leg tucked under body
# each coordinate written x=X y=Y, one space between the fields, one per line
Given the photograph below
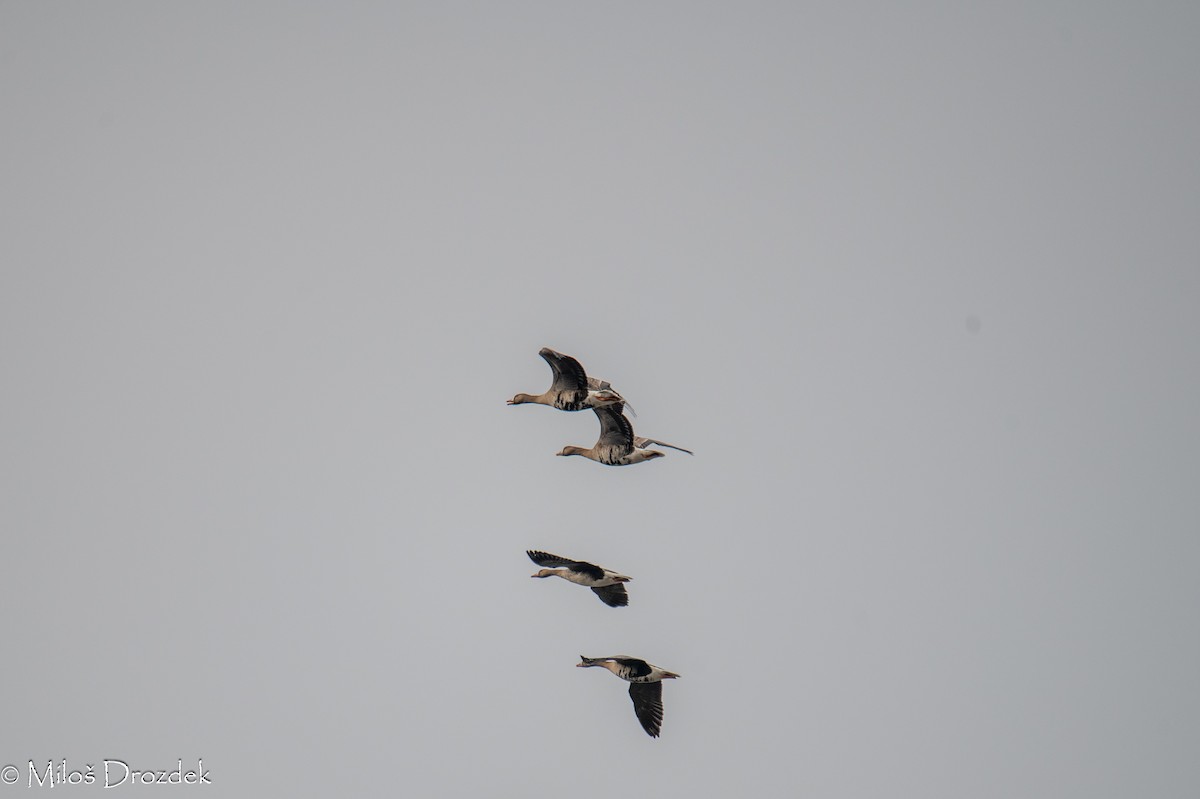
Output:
x=645 y=686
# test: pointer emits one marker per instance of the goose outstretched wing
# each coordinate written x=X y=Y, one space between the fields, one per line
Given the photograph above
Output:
x=549 y=561
x=616 y=433
x=613 y=595
x=641 y=443
x=568 y=372
x=647 y=704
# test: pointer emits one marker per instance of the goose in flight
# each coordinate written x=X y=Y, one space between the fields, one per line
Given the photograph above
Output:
x=572 y=389
x=617 y=445
x=606 y=583
x=645 y=686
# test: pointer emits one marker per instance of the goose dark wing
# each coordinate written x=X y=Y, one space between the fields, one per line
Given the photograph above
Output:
x=568 y=373
x=558 y=562
x=587 y=569
x=647 y=704
x=613 y=595
x=615 y=431
x=548 y=560
x=634 y=667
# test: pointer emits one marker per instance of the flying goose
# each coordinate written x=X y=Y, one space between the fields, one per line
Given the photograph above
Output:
x=572 y=389
x=645 y=686
x=606 y=583
x=617 y=445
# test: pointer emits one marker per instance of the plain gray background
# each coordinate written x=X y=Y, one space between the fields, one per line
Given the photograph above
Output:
x=918 y=283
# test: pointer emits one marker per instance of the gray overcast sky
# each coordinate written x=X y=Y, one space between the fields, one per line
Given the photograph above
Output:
x=919 y=283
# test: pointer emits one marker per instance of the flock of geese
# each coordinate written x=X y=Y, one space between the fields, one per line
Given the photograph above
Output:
x=573 y=390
